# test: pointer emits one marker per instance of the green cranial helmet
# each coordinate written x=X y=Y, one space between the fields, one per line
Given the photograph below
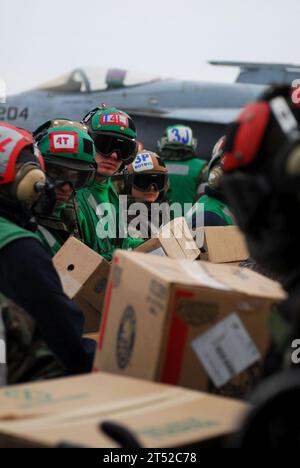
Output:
x=68 y=151
x=112 y=130
x=110 y=120
x=57 y=123
x=178 y=137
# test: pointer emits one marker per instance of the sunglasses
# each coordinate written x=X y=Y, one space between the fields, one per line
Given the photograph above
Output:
x=144 y=182
x=106 y=144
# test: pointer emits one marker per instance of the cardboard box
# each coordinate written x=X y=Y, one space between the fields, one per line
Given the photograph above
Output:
x=220 y=244
x=157 y=313
x=70 y=411
x=173 y=240
x=84 y=275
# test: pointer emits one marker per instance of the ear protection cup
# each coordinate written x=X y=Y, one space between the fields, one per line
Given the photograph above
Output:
x=215 y=177
x=245 y=136
x=30 y=181
x=265 y=127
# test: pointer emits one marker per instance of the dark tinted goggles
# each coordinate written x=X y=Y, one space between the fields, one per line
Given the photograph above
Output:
x=144 y=182
x=76 y=179
x=107 y=144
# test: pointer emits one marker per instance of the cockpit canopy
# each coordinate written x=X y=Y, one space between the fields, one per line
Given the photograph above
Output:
x=92 y=79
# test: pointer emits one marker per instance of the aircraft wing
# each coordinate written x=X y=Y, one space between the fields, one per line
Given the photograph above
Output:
x=207 y=115
x=255 y=65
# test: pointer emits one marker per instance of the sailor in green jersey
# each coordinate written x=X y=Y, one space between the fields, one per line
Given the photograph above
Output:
x=186 y=172
x=212 y=205
x=101 y=219
x=145 y=183
x=69 y=156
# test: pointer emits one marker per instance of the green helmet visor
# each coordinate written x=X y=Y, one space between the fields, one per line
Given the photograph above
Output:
x=107 y=143
x=77 y=176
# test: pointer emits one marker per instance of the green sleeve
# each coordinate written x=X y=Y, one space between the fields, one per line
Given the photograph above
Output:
x=130 y=243
x=89 y=222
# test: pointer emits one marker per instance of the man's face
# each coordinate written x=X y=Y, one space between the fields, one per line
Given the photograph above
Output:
x=63 y=193
x=107 y=166
x=59 y=174
x=150 y=196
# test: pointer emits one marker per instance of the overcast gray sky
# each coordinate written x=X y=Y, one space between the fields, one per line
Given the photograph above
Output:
x=43 y=38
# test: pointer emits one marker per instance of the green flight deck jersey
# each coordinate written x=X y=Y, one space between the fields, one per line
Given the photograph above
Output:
x=185 y=178
x=9 y=232
x=213 y=205
x=101 y=221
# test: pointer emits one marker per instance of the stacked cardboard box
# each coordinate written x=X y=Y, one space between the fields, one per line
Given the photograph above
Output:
x=174 y=240
x=220 y=244
x=194 y=324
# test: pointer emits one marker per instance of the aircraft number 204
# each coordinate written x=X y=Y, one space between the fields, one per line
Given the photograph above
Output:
x=13 y=113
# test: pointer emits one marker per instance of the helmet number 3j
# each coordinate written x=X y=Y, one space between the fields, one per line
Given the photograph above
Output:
x=181 y=135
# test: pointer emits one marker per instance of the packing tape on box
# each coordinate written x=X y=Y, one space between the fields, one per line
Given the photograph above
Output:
x=103 y=409
x=196 y=271
x=70 y=284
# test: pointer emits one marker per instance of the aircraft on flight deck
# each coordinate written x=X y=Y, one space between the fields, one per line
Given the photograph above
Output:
x=153 y=102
